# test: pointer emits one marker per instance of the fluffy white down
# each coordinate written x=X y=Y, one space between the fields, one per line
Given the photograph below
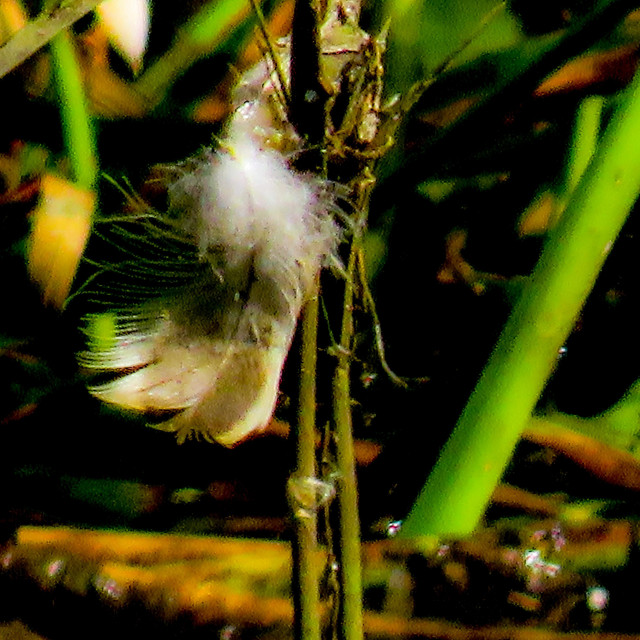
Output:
x=255 y=204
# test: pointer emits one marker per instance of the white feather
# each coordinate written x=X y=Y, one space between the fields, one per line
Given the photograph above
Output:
x=215 y=352
x=212 y=350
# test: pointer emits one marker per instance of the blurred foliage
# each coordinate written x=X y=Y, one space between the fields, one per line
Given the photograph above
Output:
x=467 y=193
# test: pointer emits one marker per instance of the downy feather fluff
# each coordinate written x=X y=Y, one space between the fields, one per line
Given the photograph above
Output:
x=248 y=236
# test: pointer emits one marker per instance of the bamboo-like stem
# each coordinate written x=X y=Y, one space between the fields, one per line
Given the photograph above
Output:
x=471 y=463
x=76 y=120
x=351 y=617
x=305 y=589
x=40 y=31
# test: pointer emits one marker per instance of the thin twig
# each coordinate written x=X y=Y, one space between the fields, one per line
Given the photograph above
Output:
x=377 y=327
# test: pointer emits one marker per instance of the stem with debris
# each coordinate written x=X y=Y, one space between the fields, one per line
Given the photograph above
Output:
x=306 y=595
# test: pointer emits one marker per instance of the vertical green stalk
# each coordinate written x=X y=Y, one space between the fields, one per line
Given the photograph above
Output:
x=351 y=624
x=306 y=595
x=473 y=460
x=76 y=121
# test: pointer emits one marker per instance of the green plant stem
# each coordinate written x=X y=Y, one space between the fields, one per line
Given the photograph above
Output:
x=306 y=595
x=77 y=126
x=205 y=31
x=472 y=461
x=351 y=619
x=40 y=31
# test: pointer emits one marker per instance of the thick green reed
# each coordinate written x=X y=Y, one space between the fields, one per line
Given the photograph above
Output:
x=457 y=492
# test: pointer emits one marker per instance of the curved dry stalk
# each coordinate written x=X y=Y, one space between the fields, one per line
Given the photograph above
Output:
x=41 y=30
